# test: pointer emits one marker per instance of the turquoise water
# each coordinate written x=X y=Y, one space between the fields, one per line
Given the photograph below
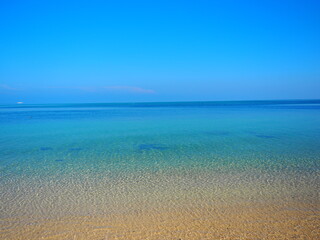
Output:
x=89 y=159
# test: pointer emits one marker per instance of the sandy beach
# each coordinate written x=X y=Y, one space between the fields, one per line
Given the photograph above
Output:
x=293 y=221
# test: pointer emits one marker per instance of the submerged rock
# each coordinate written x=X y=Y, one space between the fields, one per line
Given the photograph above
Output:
x=46 y=148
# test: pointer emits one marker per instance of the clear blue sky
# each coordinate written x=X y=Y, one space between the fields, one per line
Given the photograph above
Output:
x=120 y=51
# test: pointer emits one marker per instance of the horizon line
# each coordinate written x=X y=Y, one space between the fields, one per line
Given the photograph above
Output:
x=21 y=103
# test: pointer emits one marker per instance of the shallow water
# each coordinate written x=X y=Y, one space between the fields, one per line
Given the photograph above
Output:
x=60 y=161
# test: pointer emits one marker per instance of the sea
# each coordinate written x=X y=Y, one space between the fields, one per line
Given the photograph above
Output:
x=64 y=161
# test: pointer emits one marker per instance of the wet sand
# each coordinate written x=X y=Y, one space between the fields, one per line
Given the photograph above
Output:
x=243 y=221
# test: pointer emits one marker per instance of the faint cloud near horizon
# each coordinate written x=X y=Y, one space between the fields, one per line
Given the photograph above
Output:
x=130 y=89
x=7 y=87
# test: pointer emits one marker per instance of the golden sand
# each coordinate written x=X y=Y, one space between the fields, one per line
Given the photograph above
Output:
x=254 y=221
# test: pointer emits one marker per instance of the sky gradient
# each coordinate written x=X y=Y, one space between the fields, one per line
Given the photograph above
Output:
x=131 y=51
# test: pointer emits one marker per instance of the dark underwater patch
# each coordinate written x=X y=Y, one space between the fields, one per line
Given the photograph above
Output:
x=265 y=136
x=46 y=148
x=75 y=149
x=152 y=146
x=59 y=160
